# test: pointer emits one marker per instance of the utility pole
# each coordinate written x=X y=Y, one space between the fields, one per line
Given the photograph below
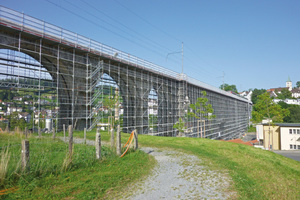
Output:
x=182 y=58
x=223 y=80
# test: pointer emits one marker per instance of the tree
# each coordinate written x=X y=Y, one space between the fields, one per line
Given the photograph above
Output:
x=294 y=116
x=111 y=102
x=255 y=94
x=284 y=94
x=228 y=87
x=298 y=84
x=266 y=108
x=180 y=126
x=201 y=109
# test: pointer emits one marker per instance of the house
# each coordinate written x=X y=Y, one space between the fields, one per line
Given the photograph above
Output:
x=28 y=102
x=274 y=91
x=296 y=92
x=246 y=94
x=18 y=98
x=13 y=109
x=288 y=101
x=289 y=86
x=28 y=96
x=281 y=136
x=25 y=115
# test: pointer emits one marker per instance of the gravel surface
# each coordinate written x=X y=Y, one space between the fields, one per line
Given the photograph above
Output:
x=177 y=175
x=181 y=176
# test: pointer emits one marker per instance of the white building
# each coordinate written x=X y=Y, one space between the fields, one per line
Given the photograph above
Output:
x=281 y=136
x=289 y=84
x=288 y=101
x=290 y=136
x=246 y=94
x=13 y=109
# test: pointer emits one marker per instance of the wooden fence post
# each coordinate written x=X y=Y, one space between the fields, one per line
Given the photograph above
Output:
x=25 y=155
x=70 y=141
x=53 y=131
x=118 y=141
x=40 y=132
x=7 y=129
x=98 y=144
x=25 y=132
x=84 y=136
x=64 y=129
x=135 y=144
x=112 y=138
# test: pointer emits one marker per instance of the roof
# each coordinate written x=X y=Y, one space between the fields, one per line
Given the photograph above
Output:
x=295 y=90
x=285 y=124
x=276 y=89
x=239 y=141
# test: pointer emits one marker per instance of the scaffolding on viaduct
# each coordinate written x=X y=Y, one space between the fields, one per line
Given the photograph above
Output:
x=89 y=82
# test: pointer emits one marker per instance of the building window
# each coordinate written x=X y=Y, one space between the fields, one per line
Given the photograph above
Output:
x=298 y=131
x=298 y=146
x=294 y=130
x=295 y=146
x=291 y=146
x=291 y=131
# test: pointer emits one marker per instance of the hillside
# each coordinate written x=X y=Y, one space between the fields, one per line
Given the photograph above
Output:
x=255 y=173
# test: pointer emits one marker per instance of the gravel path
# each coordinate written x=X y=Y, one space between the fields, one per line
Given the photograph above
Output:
x=181 y=176
x=177 y=175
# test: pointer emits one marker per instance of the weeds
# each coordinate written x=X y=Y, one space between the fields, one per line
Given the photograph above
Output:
x=67 y=162
x=5 y=157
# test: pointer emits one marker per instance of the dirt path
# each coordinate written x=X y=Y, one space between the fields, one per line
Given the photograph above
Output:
x=181 y=176
x=177 y=175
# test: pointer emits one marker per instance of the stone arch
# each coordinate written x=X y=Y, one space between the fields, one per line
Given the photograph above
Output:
x=152 y=111
x=25 y=72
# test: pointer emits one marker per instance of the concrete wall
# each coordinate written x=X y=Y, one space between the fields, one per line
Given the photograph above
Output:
x=271 y=137
x=288 y=139
x=259 y=132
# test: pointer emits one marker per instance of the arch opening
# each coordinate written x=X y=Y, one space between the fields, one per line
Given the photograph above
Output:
x=153 y=112
x=108 y=106
x=27 y=92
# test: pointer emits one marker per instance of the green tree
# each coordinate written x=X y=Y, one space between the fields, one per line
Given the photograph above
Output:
x=294 y=114
x=256 y=93
x=298 y=84
x=228 y=87
x=180 y=126
x=284 y=94
x=202 y=109
x=111 y=102
x=266 y=108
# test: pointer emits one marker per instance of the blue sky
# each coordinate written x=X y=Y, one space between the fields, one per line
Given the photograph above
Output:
x=256 y=44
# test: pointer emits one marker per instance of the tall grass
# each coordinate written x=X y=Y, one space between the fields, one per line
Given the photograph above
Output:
x=256 y=173
x=5 y=157
x=53 y=176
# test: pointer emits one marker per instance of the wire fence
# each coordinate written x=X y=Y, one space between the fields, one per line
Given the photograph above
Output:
x=36 y=156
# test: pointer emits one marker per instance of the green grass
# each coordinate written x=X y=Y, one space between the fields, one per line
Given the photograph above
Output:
x=256 y=173
x=251 y=128
x=87 y=178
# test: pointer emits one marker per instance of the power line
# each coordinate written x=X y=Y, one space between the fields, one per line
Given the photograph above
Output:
x=128 y=28
x=146 y=21
x=100 y=26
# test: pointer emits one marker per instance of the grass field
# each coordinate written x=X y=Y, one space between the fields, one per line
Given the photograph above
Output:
x=256 y=173
x=86 y=178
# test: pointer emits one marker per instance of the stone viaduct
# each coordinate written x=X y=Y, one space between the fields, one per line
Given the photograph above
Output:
x=75 y=67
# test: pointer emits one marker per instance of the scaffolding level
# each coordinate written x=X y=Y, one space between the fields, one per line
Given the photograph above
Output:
x=76 y=81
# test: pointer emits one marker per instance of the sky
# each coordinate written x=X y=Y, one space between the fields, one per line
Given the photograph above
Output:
x=249 y=43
